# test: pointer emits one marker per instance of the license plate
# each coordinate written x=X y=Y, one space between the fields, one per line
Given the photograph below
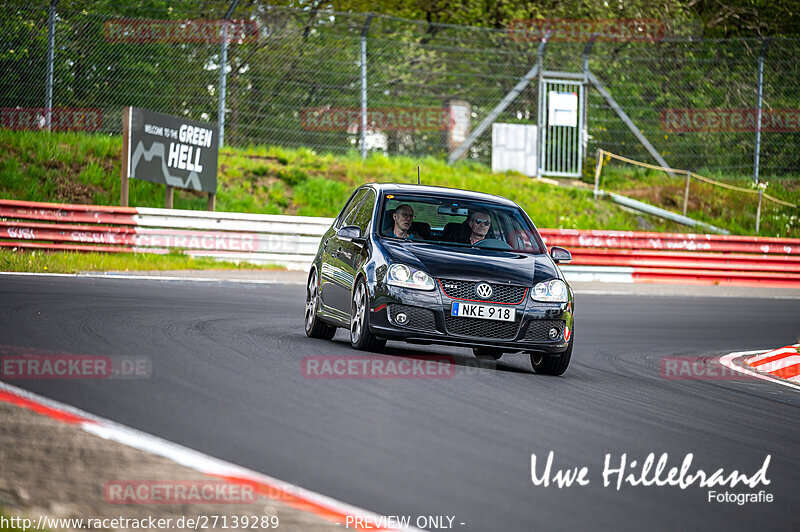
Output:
x=484 y=312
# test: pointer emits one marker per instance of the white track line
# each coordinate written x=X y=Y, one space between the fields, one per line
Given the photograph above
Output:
x=634 y=292
x=153 y=278
x=728 y=360
x=203 y=463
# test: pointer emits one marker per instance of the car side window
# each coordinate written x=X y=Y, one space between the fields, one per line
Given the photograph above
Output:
x=351 y=209
x=518 y=235
x=364 y=215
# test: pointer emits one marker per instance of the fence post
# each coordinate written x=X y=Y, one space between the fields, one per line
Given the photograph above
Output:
x=169 y=197
x=127 y=113
x=364 y=32
x=223 y=71
x=542 y=116
x=686 y=192
x=758 y=112
x=598 y=167
x=51 y=44
x=758 y=210
x=223 y=61
x=585 y=64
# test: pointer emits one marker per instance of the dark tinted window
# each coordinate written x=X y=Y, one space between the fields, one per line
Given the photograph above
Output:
x=364 y=215
x=351 y=209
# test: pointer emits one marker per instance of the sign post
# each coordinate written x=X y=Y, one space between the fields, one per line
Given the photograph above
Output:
x=459 y=123
x=126 y=155
x=177 y=152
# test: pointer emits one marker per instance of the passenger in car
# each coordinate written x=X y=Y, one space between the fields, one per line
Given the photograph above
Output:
x=403 y=218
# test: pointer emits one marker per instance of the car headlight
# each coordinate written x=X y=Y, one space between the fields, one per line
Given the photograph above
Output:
x=408 y=277
x=553 y=291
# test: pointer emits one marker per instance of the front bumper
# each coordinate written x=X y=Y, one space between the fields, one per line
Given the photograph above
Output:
x=429 y=322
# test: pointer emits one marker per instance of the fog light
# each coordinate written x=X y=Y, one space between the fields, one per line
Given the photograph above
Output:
x=553 y=333
x=401 y=318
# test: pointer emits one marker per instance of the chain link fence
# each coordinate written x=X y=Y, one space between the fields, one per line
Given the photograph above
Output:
x=696 y=102
x=294 y=79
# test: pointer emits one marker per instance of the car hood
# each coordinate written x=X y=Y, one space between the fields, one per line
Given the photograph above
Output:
x=473 y=264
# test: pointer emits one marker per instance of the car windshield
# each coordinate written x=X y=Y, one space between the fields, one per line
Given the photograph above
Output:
x=453 y=221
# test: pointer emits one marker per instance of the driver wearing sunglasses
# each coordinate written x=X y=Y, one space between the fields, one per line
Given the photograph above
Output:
x=479 y=224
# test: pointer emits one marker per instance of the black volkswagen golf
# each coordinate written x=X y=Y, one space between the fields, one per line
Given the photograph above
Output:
x=427 y=265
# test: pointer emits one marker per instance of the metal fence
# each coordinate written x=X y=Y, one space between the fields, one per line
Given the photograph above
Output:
x=296 y=80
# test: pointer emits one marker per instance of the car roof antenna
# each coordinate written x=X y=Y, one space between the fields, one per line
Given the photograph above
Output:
x=418 y=174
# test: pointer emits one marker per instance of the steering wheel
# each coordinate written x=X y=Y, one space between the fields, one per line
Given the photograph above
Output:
x=492 y=243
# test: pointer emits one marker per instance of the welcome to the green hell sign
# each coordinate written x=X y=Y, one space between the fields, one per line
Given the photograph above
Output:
x=191 y=140
x=174 y=151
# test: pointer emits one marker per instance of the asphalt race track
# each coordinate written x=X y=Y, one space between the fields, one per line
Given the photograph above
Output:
x=227 y=380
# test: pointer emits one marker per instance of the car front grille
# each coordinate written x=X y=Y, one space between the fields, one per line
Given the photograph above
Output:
x=539 y=330
x=478 y=328
x=418 y=318
x=501 y=293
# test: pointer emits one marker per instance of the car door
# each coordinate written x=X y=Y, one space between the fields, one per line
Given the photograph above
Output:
x=335 y=281
x=352 y=254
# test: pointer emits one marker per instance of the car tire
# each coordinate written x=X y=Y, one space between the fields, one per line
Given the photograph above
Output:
x=552 y=365
x=487 y=353
x=361 y=337
x=315 y=327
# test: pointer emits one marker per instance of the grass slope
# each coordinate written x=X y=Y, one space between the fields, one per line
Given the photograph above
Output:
x=81 y=168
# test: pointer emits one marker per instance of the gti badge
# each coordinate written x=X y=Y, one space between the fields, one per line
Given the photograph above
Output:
x=484 y=290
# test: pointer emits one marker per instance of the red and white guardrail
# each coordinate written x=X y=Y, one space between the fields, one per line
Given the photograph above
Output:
x=292 y=241
x=783 y=363
x=288 y=240
x=646 y=257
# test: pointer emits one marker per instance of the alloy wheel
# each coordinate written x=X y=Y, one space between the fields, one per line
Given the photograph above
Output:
x=359 y=311
x=311 y=302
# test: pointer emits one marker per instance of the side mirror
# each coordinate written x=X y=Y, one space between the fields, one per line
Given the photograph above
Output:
x=350 y=233
x=560 y=255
